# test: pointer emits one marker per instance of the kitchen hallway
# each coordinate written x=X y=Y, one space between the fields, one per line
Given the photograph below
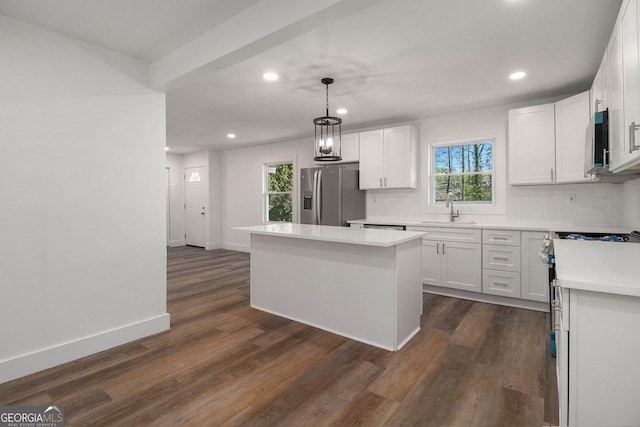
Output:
x=224 y=363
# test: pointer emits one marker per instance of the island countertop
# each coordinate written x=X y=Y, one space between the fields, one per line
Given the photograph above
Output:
x=325 y=233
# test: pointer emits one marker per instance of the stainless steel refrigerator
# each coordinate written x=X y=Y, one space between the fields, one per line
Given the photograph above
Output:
x=330 y=195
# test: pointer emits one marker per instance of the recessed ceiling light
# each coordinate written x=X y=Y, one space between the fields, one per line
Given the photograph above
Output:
x=517 y=75
x=270 y=76
x=231 y=135
x=341 y=111
x=166 y=148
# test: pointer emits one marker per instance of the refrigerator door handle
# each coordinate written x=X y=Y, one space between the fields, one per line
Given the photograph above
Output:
x=314 y=199
x=319 y=198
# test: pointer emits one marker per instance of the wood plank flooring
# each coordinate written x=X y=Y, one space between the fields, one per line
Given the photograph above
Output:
x=224 y=363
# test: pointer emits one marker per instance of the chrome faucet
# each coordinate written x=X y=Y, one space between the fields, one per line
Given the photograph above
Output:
x=452 y=216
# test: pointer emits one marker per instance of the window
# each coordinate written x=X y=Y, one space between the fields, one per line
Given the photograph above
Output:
x=278 y=192
x=463 y=169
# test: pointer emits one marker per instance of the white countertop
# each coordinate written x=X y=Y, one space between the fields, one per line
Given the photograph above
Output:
x=524 y=226
x=608 y=267
x=357 y=236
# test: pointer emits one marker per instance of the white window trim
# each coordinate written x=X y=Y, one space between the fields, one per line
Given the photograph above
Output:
x=265 y=193
x=496 y=206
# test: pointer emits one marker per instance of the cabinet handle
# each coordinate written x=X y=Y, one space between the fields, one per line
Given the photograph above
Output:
x=385 y=181
x=500 y=238
x=437 y=248
x=442 y=248
x=500 y=284
x=551 y=174
x=501 y=258
x=380 y=181
x=632 y=137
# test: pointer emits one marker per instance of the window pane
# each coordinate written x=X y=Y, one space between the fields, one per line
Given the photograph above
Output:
x=466 y=188
x=279 y=207
x=449 y=159
x=280 y=178
x=464 y=158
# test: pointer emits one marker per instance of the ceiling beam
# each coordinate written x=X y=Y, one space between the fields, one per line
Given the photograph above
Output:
x=260 y=27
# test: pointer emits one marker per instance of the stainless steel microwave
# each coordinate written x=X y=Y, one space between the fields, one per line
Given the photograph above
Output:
x=597 y=143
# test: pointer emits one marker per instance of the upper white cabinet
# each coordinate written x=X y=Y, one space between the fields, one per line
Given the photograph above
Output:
x=388 y=158
x=620 y=84
x=600 y=87
x=532 y=145
x=546 y=142
x=572 y=119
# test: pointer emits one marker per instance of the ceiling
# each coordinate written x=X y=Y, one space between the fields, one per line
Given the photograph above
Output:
x=392 y=60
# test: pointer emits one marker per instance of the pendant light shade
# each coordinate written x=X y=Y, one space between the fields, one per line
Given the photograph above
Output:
x=328 y=133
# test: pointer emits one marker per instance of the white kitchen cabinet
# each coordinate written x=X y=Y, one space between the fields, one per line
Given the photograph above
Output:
x=601 y=87
x=572 y=119
x=630 y=83
x=371 y=159
x=532 y=145
x=597 y=359
x=616 y=119
x=388 y=158
x=534 y=273
x=622 y=62
x=451 y=258
x=501 y=262
x=546 y=142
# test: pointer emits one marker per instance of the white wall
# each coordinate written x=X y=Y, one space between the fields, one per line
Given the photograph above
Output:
x=214 y=238
x=243 y=185
x=631 y=205
x=176 y=199
x=82 y=181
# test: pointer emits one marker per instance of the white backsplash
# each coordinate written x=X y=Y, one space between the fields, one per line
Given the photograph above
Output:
x=593 y=204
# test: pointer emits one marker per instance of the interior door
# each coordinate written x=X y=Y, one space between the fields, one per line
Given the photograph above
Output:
x=194 y=197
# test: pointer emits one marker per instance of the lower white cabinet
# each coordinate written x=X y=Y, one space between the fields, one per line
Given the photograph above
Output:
x=450 y=260
x=500 y=262
x=597 y=359
x=534 y=273
x=504 y=283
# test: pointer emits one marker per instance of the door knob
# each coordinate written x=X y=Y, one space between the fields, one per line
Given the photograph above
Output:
x=201 y=213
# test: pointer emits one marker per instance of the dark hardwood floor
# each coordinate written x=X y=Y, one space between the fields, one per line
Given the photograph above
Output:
x=224 y=363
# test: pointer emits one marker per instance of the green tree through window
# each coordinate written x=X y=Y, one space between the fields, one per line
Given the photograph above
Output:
x=279 y=192
x=465 y=170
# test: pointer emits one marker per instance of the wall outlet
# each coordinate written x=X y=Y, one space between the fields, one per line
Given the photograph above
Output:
x=572 y=198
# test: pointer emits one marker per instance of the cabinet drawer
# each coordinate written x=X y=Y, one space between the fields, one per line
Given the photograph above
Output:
x=501 y=237
x=498 y=257
x=505 y=283
x=446 y=234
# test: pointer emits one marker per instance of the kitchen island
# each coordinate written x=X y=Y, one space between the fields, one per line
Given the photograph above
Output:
x=363 y=284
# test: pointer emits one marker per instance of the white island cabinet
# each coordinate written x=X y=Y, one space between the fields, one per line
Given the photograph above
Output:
x=364 y=284
x=597 y=322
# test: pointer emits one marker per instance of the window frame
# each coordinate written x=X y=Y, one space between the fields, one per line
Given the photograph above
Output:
x=266 y=193
x=432 y=174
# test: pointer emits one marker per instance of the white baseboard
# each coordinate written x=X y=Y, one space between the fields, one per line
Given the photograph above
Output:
x=491 y=299
x=176 y=243
x=213 y=245
x=30 y=363
x=234 y=247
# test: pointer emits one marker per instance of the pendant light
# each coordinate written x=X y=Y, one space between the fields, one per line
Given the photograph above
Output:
x=328 y=134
